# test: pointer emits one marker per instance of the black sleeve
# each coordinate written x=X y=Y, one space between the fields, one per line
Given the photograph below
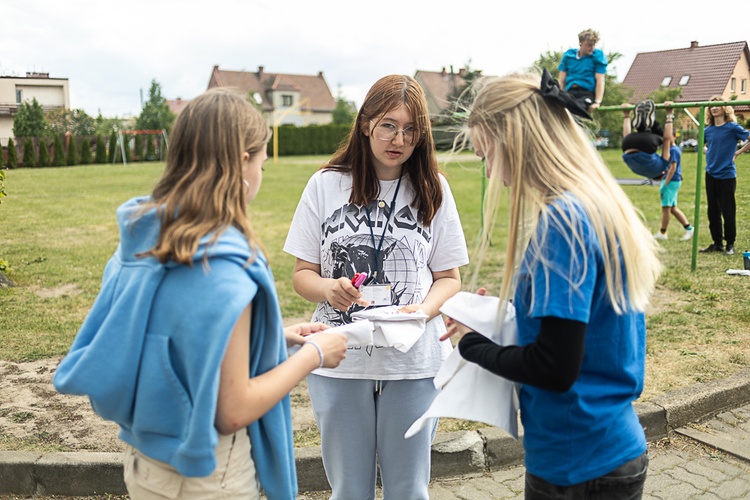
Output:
x=553 y=362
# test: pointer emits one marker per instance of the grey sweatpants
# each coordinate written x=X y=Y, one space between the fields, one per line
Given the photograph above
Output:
x=364 y=420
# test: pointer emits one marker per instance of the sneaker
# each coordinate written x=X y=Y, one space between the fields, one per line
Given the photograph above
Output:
x=660 y=236
x=729 y=250
x=688 y=234
x=713 y=247
x=644 y=115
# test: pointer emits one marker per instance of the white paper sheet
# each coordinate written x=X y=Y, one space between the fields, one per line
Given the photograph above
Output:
x=467 y=391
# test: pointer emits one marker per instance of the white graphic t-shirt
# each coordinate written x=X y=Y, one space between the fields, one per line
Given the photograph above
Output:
x=345 y=239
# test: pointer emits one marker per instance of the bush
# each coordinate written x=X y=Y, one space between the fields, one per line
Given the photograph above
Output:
x=72 y=158
x=29 y=155
x=12 y=154
x=101 y=150
x=58 y=152
x=43 y=160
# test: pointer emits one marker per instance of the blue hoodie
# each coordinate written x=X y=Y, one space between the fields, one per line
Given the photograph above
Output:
x=149 y=353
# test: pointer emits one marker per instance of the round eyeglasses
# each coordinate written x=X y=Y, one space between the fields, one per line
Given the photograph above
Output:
x=388 y=132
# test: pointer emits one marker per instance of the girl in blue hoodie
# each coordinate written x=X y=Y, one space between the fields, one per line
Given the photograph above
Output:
x=184 y=346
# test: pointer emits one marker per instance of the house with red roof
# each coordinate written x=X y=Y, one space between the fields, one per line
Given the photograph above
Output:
x=700 y=71
x=285 y=98
x=441 y=89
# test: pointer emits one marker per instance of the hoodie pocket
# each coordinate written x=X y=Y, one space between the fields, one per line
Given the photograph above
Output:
x=162 y=405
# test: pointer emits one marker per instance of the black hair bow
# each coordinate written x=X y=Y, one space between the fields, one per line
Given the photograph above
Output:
x=550 y=89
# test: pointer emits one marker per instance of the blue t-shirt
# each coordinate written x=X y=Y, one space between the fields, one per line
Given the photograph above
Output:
x=675 y=156
x=581 y=70
x=722 y=144
x=591 y=429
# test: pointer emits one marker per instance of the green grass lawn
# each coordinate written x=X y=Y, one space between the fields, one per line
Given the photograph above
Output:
x=57 y=230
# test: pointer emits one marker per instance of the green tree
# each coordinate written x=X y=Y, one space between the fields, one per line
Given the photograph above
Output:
x=345 y=112
x=75 y=121
x=29 y=156
x=29 y=121
x=101 y=150
x=43 y=160
x=58 y=152
x=549 y=60
x=85 y=151
x=12 y=161
x=156 y=114
x=105 y=126
x=72 y=158
x=112 y=147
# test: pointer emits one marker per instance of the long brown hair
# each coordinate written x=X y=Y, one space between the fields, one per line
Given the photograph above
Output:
x=201 y=191
x=355 y=154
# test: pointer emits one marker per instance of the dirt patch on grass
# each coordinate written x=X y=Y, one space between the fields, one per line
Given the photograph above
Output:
x=35 y=416
x=69 y=289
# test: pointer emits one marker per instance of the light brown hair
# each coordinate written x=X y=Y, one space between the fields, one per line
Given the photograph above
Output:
x=355 y=154
x=201 y=191
x=728 y=112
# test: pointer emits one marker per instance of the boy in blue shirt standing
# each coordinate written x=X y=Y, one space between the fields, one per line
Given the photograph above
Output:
x=582 y=71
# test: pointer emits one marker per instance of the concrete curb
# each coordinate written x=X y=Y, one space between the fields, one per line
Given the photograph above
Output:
x=453 y=453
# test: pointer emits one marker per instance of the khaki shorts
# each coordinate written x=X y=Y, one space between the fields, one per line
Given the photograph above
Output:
x=234 y=476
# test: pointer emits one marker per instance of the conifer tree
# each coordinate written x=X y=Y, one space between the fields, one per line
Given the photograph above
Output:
x=150 y=148
x=43 y=160
x=85 y=151
x=12 y=154
x=72 y=158
x=101 y=150
x=58 y=152
x=29 y=157
x=112 y=147
x=138 y=147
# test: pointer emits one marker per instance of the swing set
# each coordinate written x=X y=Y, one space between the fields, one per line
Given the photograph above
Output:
x=701 y=123
x=123 y=142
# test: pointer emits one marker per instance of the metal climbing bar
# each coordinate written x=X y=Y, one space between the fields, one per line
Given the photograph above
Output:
x=701 y=122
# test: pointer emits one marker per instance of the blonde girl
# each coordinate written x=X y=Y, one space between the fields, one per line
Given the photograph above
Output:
x=580 y=268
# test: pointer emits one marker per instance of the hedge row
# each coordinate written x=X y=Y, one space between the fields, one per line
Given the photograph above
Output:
x=62 y=151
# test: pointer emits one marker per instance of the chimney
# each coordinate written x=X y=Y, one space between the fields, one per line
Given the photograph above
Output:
x=320 y=74
x=260 y=72
x=462 y=72
x=442 y=73
x=694 y=44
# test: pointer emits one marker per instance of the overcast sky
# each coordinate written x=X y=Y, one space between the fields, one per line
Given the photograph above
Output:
x=110 y=51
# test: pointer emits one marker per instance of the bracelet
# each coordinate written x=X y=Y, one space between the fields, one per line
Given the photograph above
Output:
x=320 y=351
x=670 y=117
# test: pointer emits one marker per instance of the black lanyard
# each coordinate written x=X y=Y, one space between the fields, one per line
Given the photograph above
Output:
x=382 y=236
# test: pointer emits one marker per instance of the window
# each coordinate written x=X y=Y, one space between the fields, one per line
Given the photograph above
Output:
x=19 y=96
x=667 y=80
x=743 y=86
x=732 y=83
x=287 y=100
x=684 y=80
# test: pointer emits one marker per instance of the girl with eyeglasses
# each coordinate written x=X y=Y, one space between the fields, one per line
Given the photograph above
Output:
x=380 y=206
x=580 y=268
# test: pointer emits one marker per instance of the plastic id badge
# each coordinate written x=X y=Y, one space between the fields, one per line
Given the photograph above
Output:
x=377 y=295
